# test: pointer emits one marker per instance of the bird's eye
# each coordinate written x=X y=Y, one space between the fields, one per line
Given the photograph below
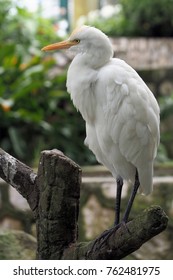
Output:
x=76 y=41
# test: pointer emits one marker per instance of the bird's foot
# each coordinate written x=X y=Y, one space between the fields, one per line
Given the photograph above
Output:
x=101 y=240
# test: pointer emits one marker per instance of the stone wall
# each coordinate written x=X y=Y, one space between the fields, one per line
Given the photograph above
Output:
x=145 y=53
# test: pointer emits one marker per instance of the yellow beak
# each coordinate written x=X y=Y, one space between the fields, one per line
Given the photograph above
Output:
x=59 y=46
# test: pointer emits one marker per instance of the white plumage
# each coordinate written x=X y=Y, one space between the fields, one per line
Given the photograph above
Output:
x=121 y=113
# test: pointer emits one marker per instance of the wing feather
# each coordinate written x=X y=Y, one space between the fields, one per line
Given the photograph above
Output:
x=131 y=115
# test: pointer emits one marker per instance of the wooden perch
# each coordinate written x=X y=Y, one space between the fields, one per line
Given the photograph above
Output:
x=53 y=196
x=128 y=238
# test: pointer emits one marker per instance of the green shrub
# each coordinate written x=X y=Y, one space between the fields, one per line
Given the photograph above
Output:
x=35 y=110
x=148 y=18
x=138 y=18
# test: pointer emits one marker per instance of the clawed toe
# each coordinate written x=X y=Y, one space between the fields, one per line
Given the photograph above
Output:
x=100 y=241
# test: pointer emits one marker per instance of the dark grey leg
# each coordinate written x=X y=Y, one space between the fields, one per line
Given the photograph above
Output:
x=118 y=200
x=105 y=235
x=131 y=199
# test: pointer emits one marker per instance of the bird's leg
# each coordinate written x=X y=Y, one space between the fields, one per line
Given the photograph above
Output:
x=131 y=199
x=118 y=200
x=105 y=235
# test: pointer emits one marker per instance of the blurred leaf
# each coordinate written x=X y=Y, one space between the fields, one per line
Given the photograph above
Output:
x=17 y=141
x=40 y=114
x=33 y=70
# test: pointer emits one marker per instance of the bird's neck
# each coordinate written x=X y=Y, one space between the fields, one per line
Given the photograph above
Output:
x=80 y=80
x=96 y=58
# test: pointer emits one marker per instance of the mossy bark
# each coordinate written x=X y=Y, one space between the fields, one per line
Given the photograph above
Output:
x=127 y=239
x=59 y=181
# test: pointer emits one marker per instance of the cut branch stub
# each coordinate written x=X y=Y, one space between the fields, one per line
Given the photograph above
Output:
x=59 y=180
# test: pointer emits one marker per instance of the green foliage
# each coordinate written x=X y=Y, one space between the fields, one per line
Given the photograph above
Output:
x=139 y=18
x=148 y=18
x=35 y=110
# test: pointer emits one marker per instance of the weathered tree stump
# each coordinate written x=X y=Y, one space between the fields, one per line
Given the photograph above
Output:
x=59 y=181
x=53 y=196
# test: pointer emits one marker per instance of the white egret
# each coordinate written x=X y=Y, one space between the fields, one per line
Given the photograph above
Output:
x=121 y=113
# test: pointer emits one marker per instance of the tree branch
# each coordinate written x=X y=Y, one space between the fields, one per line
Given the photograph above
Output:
x=19 y=176
x=53 y=196
x=126 y=239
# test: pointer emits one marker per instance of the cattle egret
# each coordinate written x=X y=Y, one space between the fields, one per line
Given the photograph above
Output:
x=121 y=113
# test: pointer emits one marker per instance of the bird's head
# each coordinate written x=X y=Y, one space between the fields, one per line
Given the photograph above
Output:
x=87 y=40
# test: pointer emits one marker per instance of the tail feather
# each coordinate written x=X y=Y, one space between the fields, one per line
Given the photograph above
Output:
x=146 y=179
